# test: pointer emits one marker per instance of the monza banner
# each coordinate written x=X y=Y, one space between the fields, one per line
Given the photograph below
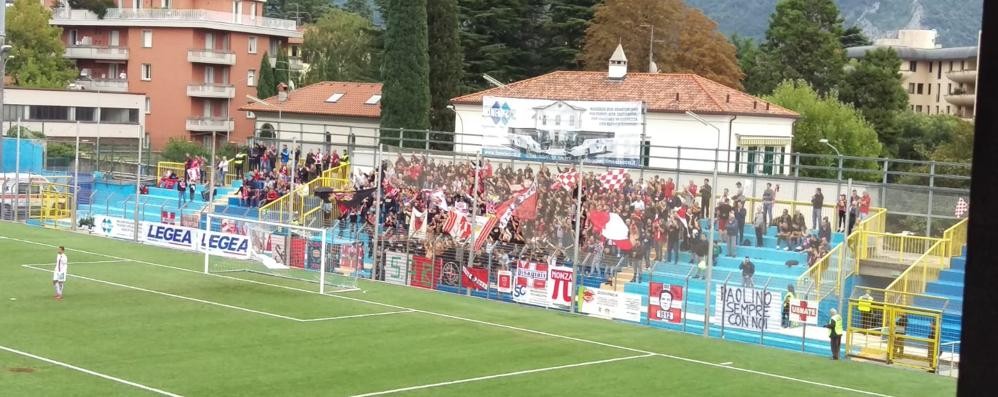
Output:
x=665 y=302
x=747 y=308
x=397 y=267
x=425 y=272
x=605 y=133
x=610 y=304
x=804 y=311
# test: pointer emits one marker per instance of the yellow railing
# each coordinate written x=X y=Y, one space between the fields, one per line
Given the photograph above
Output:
x=924 y=270
x=289 y=207
x=821 y=272
x=956 y=237
x=822 y=268
x=53 y=202
x=889 y=247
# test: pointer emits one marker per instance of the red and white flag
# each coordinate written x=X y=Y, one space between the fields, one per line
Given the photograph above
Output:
x=566 y=180
x=961 y=208
x=457 y=225
x=613 y=179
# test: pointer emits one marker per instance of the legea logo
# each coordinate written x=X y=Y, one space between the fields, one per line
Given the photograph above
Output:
x=500 y=114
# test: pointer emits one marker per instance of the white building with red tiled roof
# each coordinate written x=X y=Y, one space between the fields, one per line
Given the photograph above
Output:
x=333 y=112
x=752 y=131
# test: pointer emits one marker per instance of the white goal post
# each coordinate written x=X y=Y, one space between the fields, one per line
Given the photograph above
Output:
x=251 y=249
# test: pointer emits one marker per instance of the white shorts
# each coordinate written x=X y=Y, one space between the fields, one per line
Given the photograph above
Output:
x=61 y=277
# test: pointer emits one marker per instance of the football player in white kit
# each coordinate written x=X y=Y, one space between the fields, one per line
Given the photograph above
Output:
x=60 y=271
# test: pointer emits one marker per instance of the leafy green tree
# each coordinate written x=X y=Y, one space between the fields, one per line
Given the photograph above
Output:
x=873 y=85
x=342 y=46
x=803 y=42
x=940 y=138
x=748 y=53
x=825 y=117
x=37 y=50
x=565 y=30
x=282 y=69
x=502 y=39
x=98 y=7
x=446 y=65
x=686 y=41
x=303 y=11
x=854 y=37
x=359 y=7
x=177 y=149
x=406 y=93
x=266 y=87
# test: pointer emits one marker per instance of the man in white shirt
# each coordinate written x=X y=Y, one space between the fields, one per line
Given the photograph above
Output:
x=60 y=271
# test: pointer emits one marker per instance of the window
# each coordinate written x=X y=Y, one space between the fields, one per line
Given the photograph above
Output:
x=918 y=108
x=947 y=109
x=148 y=105
x=557 y=119
x=13 y=112
x=146 y=72
x=939 y=71
x=920 y=88
x=930 y=67
x=275 y=46
x=912 y=66
x=911 y=88
x=252 y=45
x=949 y=89
x=930 y=89
x=57 y=113
x=250 y=115
x=335 y=97
x=937 y=109
x=86 y=114
x=950 y=66
x=373 y=100
x=251 y=77
x=147 y=38
x=166 y=4
x=939 y=89
x=119 y=115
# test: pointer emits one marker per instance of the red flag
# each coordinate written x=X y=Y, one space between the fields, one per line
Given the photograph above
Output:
x=475 y=278
x=457 y=225
x=483 y=235
x=528 y=208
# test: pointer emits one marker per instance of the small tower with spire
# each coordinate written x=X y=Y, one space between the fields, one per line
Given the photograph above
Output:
x=618 y=64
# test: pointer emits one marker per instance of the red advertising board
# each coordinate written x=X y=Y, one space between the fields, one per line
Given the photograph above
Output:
x=475 y=278
x=665 y=302
x=425 y=272
x=505 y=282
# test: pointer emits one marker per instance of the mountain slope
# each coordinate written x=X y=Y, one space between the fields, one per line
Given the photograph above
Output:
x=957 y=21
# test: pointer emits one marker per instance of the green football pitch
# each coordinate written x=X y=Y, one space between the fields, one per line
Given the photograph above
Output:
x=141 y=320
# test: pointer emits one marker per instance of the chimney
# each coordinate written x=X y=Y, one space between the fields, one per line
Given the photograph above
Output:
x=755 y=105
x=618 y=64
x=677 y=96
x=282 y=92
x=727 y=99
x=767 y=105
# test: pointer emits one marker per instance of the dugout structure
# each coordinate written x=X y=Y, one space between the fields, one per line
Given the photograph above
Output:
x=895 y=333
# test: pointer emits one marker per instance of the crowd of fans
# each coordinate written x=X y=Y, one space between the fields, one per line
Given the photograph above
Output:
x=272 y=172
x=663 y=217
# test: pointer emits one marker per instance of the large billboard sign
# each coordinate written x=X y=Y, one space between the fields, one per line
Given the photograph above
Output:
x=539 y=129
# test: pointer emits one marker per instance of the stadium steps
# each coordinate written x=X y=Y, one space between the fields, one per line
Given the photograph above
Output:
x=949 y=285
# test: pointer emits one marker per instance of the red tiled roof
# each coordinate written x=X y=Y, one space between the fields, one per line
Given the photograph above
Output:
x=662 y=92
x=311 y=100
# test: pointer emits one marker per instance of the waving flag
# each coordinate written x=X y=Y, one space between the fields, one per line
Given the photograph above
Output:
x=565 y=180
x=457 y=225
x=613 y=179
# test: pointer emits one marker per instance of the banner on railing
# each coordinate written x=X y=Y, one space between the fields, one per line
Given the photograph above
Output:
x=545 y=285
x=539 y=129
x=169 y=235
x=397 y=267
x=226 y=244
x=610 y=304
x=425 y=272
x=747 y=308
x=665 y=302
x=804 y=311
x=476 y=278
x=108 y=226
x=504 y=282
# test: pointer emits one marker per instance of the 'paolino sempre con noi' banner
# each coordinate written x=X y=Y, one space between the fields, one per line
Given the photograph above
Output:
x=747 y=308
x=539 y=129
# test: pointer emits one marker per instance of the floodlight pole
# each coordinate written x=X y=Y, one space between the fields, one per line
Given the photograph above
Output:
x=17 y=168
x=211 y=178
x=710 y=219
x=377 y=213
x=138 y=182
x=474 y=209
x=577 y=238
x=76 y=174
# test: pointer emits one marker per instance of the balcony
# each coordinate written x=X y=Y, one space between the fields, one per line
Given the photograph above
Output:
x=209 y=90
x=209 y=124
x=295 y=64
x=95 y=52
x=174 y=18
x=963 y=76
x=105 y=85
x=217 y=57
x=961 y=98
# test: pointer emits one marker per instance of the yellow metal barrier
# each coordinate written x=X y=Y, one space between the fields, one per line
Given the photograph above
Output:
x=956 y=236
x=835 y=264
x=289 y=207
x=894 y=333
x=924 y=270
x=164 y=167
x=51 y=204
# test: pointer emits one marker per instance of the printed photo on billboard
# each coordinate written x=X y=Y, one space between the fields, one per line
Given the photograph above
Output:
x=665 y=302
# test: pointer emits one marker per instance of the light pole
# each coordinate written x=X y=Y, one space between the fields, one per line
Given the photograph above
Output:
x=837 y=153
x=710 y=241
x=451 y=108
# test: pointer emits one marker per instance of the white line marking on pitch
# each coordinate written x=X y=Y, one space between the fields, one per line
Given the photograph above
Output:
x=89 y=372
x=79 y=263
x=176 y=296
x=504 y=375
x=358 y=316
x=526 y=330
x=726 y=363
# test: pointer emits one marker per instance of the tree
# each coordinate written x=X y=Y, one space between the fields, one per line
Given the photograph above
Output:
x=446 y=64
x=748 y=53
x=406 y=94
x=98 y=7
x=686 y=41
x=342 y=46
x=854 y=37
x=359 y=7
x=302 y=11
x=502 y=39
x=282 y=69
x=803 y=42
x=873 y=86
x=565 y=30
x=37 y=51
x=266 y=87
x=824 y=117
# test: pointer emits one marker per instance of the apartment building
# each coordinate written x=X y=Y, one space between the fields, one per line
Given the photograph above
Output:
x=937 y=80
x=195 y=60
